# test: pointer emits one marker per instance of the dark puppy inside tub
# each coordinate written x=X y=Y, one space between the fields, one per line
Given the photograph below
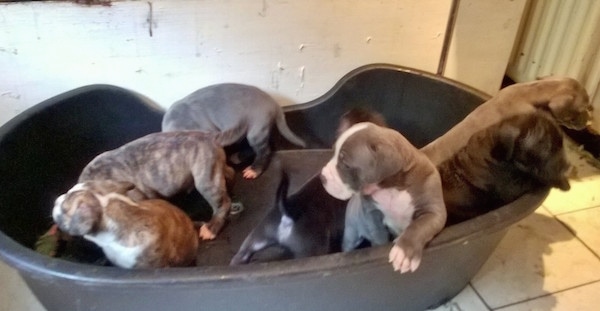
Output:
x=311 y=222
x=501 y=163
x=306 y=223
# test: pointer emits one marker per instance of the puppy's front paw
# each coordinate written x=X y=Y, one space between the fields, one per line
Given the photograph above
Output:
x=205 y=233
x=209 y=230
x=250 y=173
x=405 y=257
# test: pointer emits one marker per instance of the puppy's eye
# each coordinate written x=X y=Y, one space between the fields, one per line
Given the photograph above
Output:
x=342 y=164
x=342 y=161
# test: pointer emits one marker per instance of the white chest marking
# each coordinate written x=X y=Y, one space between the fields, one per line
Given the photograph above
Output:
x=284 y=230
x=334 y=185
x=397 y=208
x=118 y=254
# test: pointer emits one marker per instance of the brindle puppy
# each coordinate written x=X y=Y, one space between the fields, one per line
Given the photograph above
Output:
x=162 y=165
x=503 y=162
x=144 y=234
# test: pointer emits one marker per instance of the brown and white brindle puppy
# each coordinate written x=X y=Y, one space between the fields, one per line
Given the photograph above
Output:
x=405 y=185
x=502 y=162
x=143 y=234
x=162 y=165
x=564 y=98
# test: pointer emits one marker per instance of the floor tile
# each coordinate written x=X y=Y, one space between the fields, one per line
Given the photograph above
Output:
x=584 y=193
x=535 y=258
x=585 y=183
x=467 y=299
x=586 y=226
x=15 y=295
x=582 y=162
x=583 y=298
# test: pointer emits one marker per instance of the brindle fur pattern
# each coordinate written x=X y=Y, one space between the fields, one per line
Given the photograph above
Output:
x=162 y=165
x=164 y=234
x=502 y=162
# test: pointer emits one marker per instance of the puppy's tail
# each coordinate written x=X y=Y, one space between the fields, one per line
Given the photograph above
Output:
x=283 y=204
x=286 y=131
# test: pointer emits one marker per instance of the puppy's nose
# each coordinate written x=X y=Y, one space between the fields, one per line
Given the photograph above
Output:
x=323 y=179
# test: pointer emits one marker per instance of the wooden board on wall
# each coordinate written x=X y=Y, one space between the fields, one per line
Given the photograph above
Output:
x=482 y=42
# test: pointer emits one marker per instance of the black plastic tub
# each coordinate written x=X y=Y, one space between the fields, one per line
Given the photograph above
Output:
x=43 y=150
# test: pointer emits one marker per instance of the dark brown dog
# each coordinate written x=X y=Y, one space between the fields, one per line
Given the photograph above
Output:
x=502 y=162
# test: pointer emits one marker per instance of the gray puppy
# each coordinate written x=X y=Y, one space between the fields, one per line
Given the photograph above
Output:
x=363 y=221
x=232 y=111
x=162 y=165
x=377 y=161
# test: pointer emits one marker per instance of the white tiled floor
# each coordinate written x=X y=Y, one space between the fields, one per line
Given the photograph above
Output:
x=551 y=259
x=548 y=261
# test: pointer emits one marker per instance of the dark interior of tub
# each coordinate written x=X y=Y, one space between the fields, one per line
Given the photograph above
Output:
x=43 y=150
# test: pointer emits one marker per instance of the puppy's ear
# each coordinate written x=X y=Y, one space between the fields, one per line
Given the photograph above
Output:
x=572 y=111
x=86 y=218
x=506 y=137
x=562 y=183
x=558 y=105
x=121 y=186
x=387 y=160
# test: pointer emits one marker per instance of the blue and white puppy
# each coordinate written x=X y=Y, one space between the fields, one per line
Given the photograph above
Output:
x=405 y=185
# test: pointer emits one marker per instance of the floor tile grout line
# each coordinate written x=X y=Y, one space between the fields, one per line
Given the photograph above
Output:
x=545 y=295
x=574 y=233
x=487 y=306
x=490 y=308
x=573 y=211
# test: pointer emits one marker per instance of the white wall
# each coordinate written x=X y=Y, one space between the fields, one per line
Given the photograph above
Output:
x=295 y=50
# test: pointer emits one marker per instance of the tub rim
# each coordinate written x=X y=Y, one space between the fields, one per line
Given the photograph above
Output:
x=40 y=266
